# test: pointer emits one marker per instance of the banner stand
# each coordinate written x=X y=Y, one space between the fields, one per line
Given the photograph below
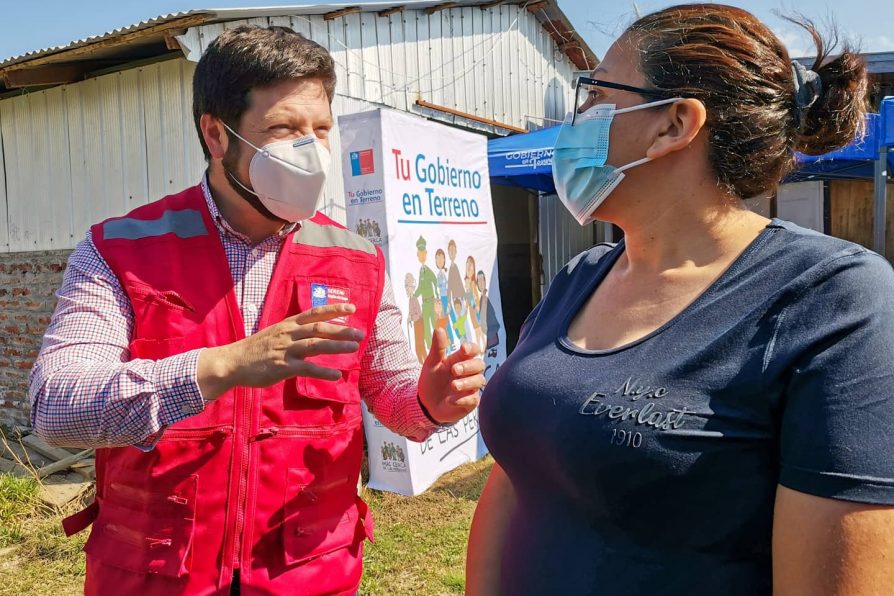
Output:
x=421 y=191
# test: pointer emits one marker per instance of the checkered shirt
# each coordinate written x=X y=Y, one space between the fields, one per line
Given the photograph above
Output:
x=86 y=391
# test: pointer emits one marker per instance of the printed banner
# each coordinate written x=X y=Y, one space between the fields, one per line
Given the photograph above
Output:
x=421 y=191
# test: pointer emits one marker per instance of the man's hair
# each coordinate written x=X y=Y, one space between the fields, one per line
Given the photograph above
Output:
x=250 y=57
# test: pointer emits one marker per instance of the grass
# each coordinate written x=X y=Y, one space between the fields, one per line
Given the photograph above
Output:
x=420 y=543
x=35 y=557
x=419 y=549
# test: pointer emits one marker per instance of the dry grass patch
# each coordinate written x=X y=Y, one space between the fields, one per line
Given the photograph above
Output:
x=420 y=541
x=35 y=556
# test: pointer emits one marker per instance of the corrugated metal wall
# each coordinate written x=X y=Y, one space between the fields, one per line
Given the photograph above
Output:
x=76 y=154
x=498 y=63
x=561 y=237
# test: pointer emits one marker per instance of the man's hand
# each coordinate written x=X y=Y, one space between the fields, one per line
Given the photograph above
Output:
x=449 y=385
x=278 y=352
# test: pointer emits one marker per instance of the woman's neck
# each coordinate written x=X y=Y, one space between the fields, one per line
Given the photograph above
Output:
x=685 y=233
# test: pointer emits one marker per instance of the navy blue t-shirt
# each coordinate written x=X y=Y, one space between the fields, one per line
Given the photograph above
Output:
x=651 y=469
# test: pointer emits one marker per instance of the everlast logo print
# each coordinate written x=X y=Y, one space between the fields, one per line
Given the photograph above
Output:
x=640 y=406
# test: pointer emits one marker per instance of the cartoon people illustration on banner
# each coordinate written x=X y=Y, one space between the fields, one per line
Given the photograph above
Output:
x=473 y=299
x=454 y=279
x=369 y=229
x=444 y=314
x=461 y=320
x=392 y=452
x=415 y=328
x=427 y=290
x=460 y=304
x=490 y=324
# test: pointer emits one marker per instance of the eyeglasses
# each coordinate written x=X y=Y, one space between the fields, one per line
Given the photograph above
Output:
x=588 y=82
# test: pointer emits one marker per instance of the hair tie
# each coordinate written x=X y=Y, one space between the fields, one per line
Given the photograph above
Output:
x=808 y=89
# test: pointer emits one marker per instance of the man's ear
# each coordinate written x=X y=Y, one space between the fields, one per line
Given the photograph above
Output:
x=215 y=135
x=683 y=120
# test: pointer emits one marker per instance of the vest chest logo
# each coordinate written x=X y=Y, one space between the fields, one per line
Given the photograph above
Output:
x=323 y=295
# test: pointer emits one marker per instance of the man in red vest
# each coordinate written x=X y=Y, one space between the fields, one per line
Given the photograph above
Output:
x=215 y=346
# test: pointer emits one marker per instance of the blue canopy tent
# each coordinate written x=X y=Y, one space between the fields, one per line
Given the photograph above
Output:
x=868 y=157
x=524 y=160
x=857 y=160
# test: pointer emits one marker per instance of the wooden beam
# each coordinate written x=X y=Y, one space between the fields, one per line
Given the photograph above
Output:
x=487 y=5
x=390 y=11
x=433 y=9
x=431 y=106
x=62 y=464
x=171 y=39
x=331 y=16
x=120 y=40
x=50 y=74
x=33 y=442
x=538 y=6
x=87 y=468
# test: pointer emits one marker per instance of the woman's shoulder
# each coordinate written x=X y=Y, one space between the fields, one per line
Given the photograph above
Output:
x=816 y=254
x=809 y=266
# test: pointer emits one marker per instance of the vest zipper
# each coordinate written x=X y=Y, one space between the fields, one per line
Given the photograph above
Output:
x=243 y=484
x=198 y=433
x=309 y=432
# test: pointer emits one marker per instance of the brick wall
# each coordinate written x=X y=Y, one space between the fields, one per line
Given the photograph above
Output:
x=28 y=282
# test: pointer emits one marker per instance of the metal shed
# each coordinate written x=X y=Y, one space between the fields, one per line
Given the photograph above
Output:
x=104 y=124
x=95 y=128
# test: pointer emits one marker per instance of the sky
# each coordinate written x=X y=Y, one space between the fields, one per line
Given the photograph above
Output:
x=27 y=25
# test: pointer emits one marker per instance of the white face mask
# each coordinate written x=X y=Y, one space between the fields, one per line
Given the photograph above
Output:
x=288 y=177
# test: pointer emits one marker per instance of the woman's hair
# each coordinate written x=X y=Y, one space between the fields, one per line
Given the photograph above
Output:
x=732 y=62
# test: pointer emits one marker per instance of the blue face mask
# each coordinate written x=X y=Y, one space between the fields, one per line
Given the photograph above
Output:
x=583 y=179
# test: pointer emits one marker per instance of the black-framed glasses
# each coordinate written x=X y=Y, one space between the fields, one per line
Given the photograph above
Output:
x=588 y=82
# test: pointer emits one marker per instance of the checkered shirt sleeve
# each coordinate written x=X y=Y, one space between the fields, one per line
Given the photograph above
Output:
x=86 y=391
x=389 y=374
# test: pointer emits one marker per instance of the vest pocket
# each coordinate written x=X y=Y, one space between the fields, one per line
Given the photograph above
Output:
x=162 y=311
x=145 y=531
x=345 y=390
x=315 y=524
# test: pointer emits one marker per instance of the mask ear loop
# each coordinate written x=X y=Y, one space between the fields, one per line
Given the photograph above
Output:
x=651 y=104
x=230 y=174
x=633 y=164
x=246 y=141
x=266 y=153
x=236 y=180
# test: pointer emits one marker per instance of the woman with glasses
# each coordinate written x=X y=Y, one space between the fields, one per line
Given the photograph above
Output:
x=707 y=407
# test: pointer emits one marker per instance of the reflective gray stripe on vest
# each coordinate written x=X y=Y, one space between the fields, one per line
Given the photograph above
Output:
x=187 y=223
x=313 y=234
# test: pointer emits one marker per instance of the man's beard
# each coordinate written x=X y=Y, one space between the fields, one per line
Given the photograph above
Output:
x=230 y=162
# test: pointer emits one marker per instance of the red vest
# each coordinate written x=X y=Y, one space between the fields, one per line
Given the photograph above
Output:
x=264 y=480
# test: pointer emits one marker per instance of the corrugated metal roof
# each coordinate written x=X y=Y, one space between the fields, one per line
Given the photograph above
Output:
x=228 y=14
x=160 y=20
